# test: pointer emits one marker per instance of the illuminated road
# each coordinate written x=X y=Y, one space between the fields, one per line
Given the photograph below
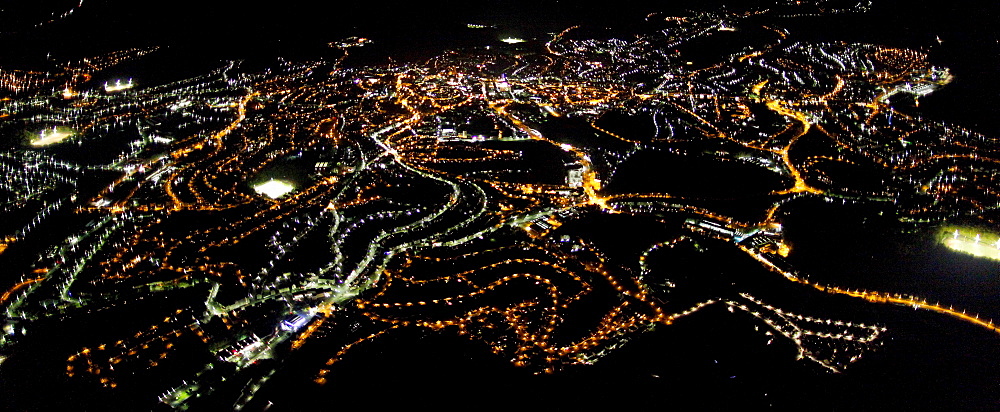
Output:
x=310 y=207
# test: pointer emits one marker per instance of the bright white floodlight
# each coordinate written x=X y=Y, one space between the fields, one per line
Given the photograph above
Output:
x=273 y=188
x=51 y=136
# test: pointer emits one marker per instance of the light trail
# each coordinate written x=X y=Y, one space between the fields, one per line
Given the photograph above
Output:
x=19 y=286
x=876 y=297
x=800 y=185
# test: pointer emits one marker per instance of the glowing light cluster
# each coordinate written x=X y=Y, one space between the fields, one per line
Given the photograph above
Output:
x=51 y=136
x=274 y=189
x=972 y=242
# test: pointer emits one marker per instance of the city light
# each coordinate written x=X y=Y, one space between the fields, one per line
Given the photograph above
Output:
x=548 y=202
x=117 y=86
x=273 y=188
x=48 y=137
x=972 y=241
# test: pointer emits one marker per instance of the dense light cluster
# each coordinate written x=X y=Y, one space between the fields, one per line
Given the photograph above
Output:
x=437 y=195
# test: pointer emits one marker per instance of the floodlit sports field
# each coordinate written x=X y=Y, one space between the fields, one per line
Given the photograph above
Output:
x=274 y=188
x=52 y=136
x=972 y=242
